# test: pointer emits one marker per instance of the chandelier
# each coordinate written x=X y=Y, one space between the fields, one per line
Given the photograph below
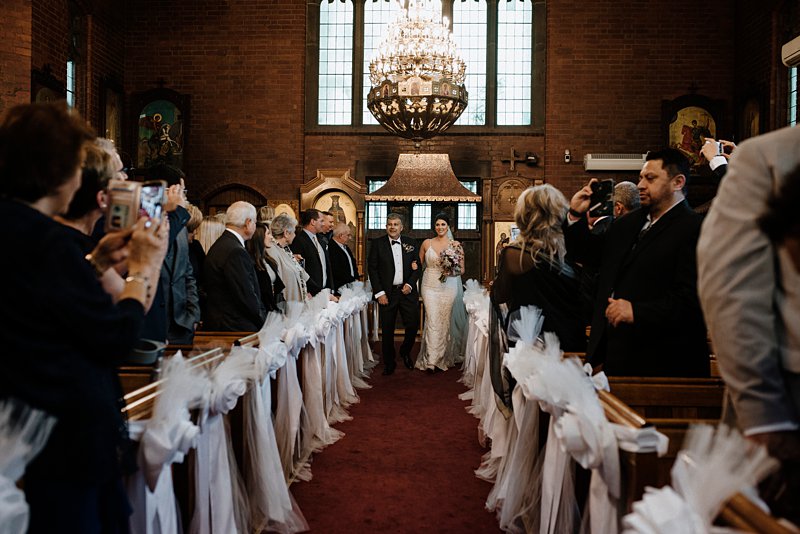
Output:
x=417 y=75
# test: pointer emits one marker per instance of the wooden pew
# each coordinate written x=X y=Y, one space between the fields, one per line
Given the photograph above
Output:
x=640 y=470
x=133 y=377
x=670 y=398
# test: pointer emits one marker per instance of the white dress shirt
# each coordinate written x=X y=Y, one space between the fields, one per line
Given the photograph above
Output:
x=321 y=256
x=397 y=252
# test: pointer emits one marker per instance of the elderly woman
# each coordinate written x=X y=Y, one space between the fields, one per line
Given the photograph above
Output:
x=533 y=271
x=289 y=268
x=62 y=335
x=101 y=164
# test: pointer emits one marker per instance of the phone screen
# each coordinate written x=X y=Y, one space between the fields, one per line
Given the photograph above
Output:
x=151 y=200
x=601 y=203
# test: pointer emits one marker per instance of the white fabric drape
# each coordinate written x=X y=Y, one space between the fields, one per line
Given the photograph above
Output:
x=23 y=434
x=216 y=486
x=163 y=440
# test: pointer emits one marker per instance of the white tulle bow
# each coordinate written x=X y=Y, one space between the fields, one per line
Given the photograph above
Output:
x=23 y=433
x=713 y=465
x=579 y=426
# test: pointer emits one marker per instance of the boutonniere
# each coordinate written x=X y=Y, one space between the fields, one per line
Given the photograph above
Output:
x=408 y=249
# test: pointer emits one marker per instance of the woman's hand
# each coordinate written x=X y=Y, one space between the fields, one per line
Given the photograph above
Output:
x=112 y=250
x=148 y=246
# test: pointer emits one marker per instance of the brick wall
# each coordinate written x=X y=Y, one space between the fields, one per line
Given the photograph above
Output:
x=242 y=64
x=15 y=53
x=609 y=66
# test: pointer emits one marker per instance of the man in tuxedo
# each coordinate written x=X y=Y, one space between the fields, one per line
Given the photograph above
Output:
x=343 y=262
x=646 y=318
x=232 y=291
x=393 y=272
x=315 y=255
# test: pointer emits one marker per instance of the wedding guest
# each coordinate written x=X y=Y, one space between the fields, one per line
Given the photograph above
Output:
x=316 y=261
x=89 y=203
x=343 y=262
x=234 y=297
x=62 y=336
x=290 y=269
x=208 y=232
x=534 y=271
x=269 y=282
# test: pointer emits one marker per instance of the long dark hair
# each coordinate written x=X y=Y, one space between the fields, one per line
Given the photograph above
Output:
x=257 y=250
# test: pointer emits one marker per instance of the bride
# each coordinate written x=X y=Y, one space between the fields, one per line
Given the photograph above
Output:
x=445 y=317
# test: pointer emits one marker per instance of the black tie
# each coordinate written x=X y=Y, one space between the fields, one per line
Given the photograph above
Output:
x=395 y=242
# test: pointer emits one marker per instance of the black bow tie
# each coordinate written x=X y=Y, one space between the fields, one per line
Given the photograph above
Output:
x=395 y=242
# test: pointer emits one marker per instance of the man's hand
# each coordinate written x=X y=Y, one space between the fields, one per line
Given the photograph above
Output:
x=383 y=300
x=176 y=196
x=406 y=289
x=619 y=311
x=581 y=200
x=414 y=265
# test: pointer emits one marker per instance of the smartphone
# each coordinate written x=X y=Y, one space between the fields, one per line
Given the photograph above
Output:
x=129 y=200
x=601 y=203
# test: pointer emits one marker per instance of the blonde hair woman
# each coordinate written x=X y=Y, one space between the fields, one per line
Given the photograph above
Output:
x=209 y=231
x=533 y=269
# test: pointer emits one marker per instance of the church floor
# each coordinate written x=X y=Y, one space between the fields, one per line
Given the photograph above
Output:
x=405 y=464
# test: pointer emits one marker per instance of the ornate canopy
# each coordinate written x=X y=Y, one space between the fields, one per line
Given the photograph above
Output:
x=425 y=178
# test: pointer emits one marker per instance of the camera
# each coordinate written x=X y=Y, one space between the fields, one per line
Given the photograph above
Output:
x=720 y=149
x=128 y=201
x=601 y=202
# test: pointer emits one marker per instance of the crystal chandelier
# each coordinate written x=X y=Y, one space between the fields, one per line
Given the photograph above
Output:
x=417 y=75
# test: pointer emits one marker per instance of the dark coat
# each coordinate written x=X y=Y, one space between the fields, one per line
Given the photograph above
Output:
x=269 y=290
x=658 y=275
x=380 y=264
x=303 y=245
x=340 y=264
x=62 y=339
x=234 y=296
x=179 y=284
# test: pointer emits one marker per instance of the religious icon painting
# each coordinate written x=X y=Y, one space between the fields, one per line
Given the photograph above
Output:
x=160 y=135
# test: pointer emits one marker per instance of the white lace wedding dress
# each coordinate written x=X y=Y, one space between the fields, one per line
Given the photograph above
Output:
x=438 y=349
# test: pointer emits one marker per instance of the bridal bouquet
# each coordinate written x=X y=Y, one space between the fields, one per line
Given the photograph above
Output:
x=450 y=261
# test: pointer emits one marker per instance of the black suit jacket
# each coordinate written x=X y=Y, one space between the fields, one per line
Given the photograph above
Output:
x=380 y=264
x=303 y=245
x=232 y=290
x=658 y=275
x=340 y=264
x=179 y=284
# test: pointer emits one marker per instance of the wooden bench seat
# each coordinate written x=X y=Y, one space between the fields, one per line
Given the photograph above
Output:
x=670 y=398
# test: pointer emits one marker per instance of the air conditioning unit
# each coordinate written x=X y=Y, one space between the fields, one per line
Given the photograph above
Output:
x=613 y=162
x=790 y=52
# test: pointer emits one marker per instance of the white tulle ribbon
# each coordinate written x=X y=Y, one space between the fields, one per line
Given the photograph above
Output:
x=713 y=465
x=578 y=426
x=23 y=434
x=165 y=439
x=214 y=503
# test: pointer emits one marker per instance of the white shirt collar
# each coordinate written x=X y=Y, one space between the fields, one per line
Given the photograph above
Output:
x=239 y=237
x=312 y=235
x=398 y=239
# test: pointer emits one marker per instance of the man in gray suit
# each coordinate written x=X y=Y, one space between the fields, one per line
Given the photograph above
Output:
x=750 y=293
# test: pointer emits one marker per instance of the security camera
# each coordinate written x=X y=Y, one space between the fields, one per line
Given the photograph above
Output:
x=567 y=156
x=531 y=159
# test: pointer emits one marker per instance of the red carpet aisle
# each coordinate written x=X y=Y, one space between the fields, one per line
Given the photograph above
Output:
x=405 y=465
